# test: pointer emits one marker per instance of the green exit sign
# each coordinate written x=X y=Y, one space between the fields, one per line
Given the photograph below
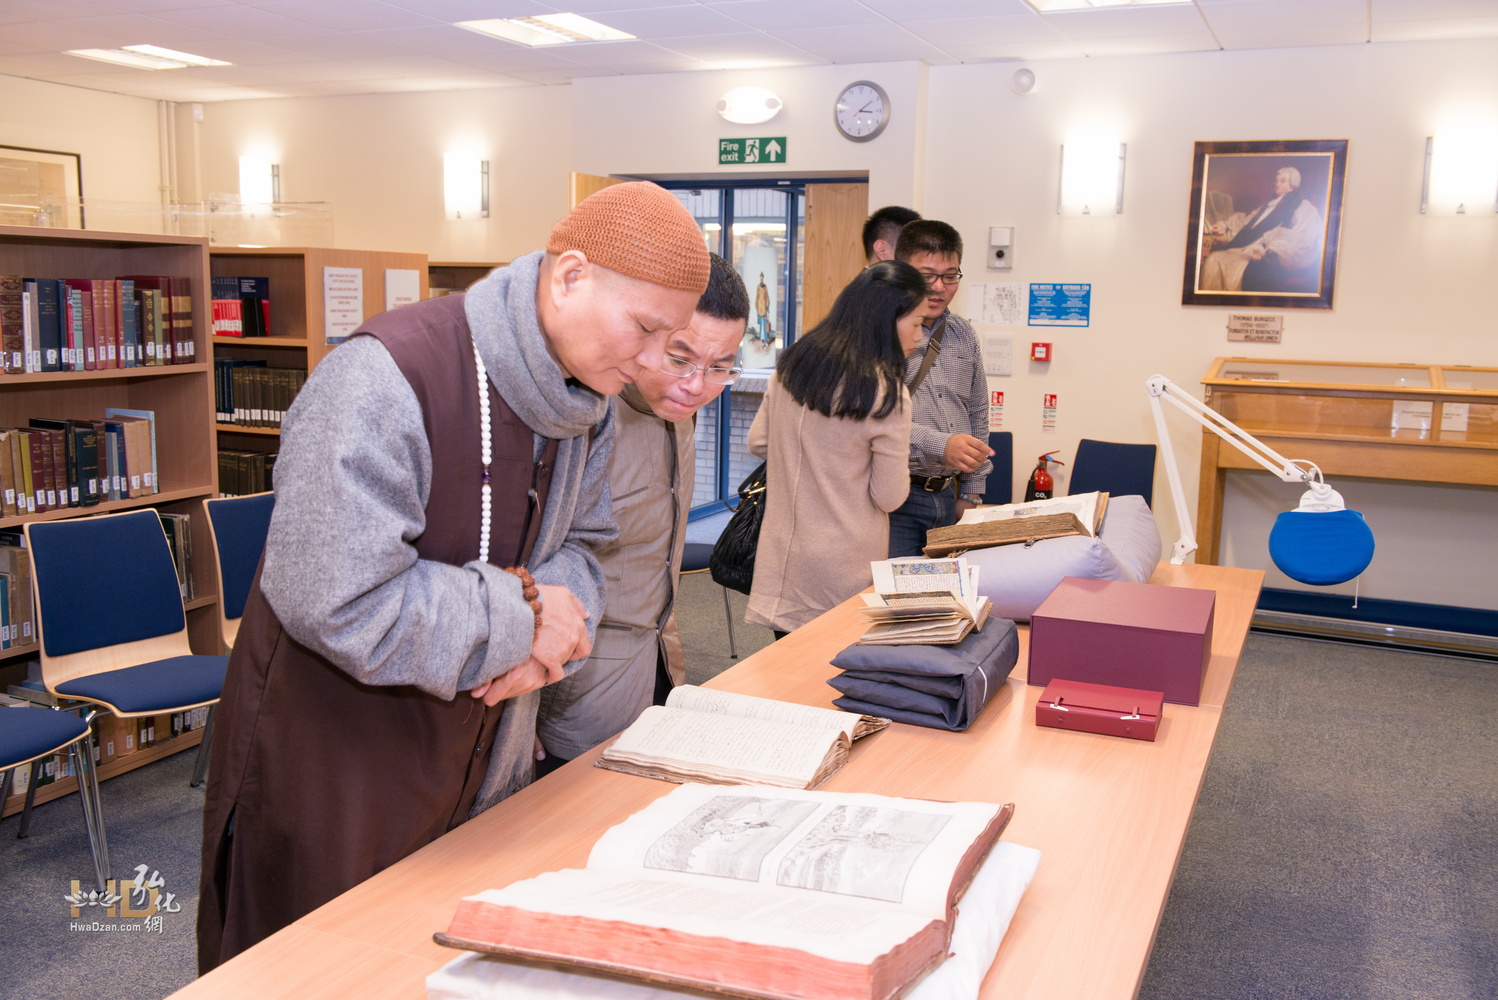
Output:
x=768 y=149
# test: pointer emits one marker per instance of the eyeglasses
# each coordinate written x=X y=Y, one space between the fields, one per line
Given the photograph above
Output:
x=945 y=279
x=717 y=375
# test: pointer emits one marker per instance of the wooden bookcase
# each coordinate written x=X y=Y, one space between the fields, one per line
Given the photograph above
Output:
x=298 y=337
x=181 y=396
x=447 y=276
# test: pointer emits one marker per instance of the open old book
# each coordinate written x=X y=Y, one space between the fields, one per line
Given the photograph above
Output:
x=1029 y=522
x=720 y=737
x=752 y=891
x=933 y=602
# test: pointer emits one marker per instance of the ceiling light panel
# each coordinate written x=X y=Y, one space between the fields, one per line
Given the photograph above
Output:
x=545 y=29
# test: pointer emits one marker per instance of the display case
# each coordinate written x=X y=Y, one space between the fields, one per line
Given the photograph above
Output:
x=1419 y=423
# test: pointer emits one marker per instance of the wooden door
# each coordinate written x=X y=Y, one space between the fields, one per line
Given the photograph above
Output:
x=833 y=245
x=579 y=186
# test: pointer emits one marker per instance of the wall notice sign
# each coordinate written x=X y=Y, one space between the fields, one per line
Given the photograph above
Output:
x=1254 y=329
x=995 y=411
x=402 y=287
x=998 y=354
x=1001 y=303
x=1048 y=413
x=1060 y=304
x=767 y=149
x=343 y=302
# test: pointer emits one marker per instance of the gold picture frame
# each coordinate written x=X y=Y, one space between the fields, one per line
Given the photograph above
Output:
x=40 y=187
x=1265 y=223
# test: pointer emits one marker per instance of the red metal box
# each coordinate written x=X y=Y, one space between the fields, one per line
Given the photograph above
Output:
x=1098 y=708
x=1136 y=635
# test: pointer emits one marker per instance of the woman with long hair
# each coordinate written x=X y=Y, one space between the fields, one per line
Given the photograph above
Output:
x=834 y=429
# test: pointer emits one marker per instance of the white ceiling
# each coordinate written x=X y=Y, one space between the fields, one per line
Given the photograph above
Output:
x=305 y=48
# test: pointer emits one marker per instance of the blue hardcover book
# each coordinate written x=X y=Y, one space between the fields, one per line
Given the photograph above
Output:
x=49 y=323
x=129 y=325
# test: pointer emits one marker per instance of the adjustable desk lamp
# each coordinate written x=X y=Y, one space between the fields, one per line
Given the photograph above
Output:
x=1321 y=542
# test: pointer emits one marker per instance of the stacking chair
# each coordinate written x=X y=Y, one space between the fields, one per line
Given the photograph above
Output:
x=999 y=488
x=1115 y=468
x=238 y=526
x=694 y=560
x=110 y=622
x=30 y=734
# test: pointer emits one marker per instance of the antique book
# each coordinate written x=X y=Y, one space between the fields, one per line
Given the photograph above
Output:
x=719 y=737
x=1006 y=524
x=752 y=891
x=928 y=601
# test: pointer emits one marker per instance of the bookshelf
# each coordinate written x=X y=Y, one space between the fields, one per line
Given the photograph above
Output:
x=298 y=331
x=181 y=395
x=446 y=277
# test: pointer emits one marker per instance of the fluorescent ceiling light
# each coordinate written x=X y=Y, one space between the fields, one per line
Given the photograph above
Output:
x=546 y=29
x=1050 y=6
x=147 y=57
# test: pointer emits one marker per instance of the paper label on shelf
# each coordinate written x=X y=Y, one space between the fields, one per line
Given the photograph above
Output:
x=402 y=287
x=343 y=302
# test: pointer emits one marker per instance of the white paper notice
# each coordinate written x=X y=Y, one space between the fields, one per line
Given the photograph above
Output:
x=995 y=410
x=343 y=302
x=1002 y=303
x=998 y=354
x=402 y=287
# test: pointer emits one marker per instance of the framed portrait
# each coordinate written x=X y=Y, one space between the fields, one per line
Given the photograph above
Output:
x=40 y=187
x=1264 y=224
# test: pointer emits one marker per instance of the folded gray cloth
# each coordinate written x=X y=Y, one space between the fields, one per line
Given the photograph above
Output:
x=941 y=687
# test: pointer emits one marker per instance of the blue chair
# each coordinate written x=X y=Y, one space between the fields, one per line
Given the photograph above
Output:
x=1115 y=468
x=30 y=734
x=694 y=559
x=237 y=526
x=110 y=622
x=999 y=488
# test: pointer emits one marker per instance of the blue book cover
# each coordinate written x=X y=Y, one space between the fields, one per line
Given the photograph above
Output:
x=49 y=323
x=129 y=325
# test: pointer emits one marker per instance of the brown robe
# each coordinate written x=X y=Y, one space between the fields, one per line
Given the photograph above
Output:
x=320 y=781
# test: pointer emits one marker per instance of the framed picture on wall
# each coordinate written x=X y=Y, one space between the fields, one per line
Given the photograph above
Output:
x=1265 y=222
x=40 y=187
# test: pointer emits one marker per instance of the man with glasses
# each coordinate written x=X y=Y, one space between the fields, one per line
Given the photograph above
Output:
x=637 y=654
x=949 y=397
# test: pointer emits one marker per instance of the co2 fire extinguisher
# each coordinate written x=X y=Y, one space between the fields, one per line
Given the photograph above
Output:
x=1040 y=480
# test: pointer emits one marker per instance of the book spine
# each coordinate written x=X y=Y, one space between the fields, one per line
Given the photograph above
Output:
x=49 y=323
x=12 y=320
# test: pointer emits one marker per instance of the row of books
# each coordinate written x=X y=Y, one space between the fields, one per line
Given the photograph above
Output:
x=241 y=306
x=85 y=324
x=252 y=395
x=17 y=610
x=241 y=473
x=53 y=463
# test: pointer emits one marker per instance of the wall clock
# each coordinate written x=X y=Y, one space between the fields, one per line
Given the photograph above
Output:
x=862 y=111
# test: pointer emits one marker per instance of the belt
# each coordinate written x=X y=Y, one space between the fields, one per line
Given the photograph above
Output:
x=933 y=484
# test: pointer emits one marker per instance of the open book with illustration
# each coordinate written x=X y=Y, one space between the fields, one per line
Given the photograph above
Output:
x=920 y=600
x=1005 y=524
x=752 y=891
x=720 y=737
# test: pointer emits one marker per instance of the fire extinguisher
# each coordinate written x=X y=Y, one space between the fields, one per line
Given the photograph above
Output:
x=1040 y=480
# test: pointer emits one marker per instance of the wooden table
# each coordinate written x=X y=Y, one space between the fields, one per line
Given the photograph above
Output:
x=1109 y=816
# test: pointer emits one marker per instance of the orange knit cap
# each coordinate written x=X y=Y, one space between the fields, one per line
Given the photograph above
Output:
x=638 y=229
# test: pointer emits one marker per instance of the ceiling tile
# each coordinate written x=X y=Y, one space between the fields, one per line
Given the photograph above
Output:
x=348 y=15
x=1306 y=34
x=670 y=22
x=1129 y=22
x=1059 y=48
x=1149 y=44
x=771 y=15
x=1285 y=17
x=930 y=10
x=1446 y=28
x=743 y=47
x=1411 y=10
x=987 y=31
x=241 y=20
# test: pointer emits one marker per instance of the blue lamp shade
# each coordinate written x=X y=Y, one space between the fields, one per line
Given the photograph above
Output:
x=1321 y=548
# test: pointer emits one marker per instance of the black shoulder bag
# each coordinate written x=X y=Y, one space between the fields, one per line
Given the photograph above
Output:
x=732 y=561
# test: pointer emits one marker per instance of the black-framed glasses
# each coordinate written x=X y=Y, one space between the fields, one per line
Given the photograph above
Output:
x=945 y=279
x=716 y=374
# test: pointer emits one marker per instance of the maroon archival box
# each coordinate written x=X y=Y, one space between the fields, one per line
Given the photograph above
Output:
x=1135 y=635
x=1099 y=708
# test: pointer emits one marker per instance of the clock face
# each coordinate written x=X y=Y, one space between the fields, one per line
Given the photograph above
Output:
x=862 y=111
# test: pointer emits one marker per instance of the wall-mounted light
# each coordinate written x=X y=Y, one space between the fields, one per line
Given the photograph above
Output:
x=1461 y=173
x=749 y=105
x=465 y=186
x=259 y=181
x=1092 y=176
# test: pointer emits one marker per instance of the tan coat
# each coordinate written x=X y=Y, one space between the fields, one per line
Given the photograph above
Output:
x=650 y=481
x=831 y=485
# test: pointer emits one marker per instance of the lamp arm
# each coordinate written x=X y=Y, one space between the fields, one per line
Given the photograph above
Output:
x=1288 y=470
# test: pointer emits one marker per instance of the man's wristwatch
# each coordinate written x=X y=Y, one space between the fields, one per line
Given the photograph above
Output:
x=970 y=498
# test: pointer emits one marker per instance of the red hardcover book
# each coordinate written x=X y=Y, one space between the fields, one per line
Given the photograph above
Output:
x=90 y=343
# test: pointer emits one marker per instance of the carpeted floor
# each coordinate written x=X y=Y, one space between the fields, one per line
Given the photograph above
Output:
x=1343 y=846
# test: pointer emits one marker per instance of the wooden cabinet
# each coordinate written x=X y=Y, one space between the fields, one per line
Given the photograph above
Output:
x=180 y=395
x=298 y=335
x=447 y=277
x=1418 y=423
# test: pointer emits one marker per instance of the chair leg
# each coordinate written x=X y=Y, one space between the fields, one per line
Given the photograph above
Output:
x=82 y=753
x=733 y=649
x=201 y=770
x=5 y=787
x=30 y=798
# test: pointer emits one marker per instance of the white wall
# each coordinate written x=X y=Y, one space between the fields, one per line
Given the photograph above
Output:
x=377 y=160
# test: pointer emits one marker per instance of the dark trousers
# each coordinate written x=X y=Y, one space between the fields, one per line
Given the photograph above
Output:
x=921 y=511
